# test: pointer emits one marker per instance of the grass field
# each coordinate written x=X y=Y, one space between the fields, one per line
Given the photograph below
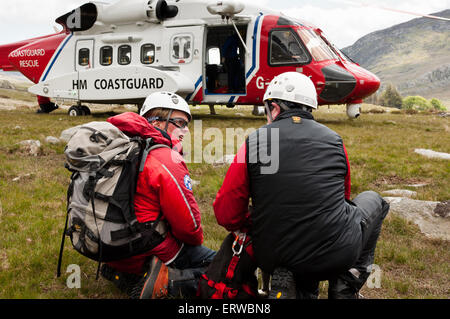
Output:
x=381 y=151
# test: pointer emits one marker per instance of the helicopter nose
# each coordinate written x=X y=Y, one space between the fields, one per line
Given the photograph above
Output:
x=370 y=85
x=367 y=82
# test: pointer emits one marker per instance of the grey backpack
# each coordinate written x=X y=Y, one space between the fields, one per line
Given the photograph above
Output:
x=101 y=221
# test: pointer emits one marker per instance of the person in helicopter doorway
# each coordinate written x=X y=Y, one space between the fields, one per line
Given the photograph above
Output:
x=233 y=64
x=163 y=195
x=304 y=226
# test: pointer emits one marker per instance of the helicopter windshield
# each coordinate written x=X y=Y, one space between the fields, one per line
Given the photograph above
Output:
x=335 y=49
x=316 y=45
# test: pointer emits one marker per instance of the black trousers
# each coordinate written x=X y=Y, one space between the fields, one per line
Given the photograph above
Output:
x=235 y=74
x=373 y=209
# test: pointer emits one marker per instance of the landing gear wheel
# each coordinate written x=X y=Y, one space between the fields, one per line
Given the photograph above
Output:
x=76 y=111
x=86 y=110
x=139 y=107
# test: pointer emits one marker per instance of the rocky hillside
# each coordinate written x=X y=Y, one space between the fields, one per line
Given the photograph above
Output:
x=414 y=56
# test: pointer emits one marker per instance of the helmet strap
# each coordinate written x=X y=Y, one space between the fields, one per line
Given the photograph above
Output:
x=167 y=121
x=268 y=110
x=283 y=106
x=293 y=105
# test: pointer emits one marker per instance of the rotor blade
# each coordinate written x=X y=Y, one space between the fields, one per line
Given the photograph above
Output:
x=395 y=10
x=408 y=12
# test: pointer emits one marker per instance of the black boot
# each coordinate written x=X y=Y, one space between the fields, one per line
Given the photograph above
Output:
x=347 y=285
x=340 y=289
x=124 y=281
x=283 y=284
x=47 y=107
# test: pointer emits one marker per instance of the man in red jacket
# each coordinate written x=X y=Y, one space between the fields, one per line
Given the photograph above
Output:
x=303 y=225
x=164 y=191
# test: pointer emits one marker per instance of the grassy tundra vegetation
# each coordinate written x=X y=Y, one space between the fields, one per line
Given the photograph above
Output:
x=381 y=151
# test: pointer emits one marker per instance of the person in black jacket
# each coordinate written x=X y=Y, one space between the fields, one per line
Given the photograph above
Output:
x=304 y=226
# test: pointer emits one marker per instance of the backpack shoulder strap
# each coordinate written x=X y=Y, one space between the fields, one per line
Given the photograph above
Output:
x=148 y=148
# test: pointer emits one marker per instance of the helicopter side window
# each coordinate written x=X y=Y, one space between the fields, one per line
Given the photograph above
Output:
x=83 y=57
x=181 y=51
x=213 y=56
x=106 y=55
x=124 y=54
x=285 y=48
x=147 y=53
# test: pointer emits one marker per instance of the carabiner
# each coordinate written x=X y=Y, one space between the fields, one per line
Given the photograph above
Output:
x=237 y=253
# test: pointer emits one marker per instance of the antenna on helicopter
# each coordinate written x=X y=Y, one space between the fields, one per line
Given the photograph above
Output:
x=228 y=9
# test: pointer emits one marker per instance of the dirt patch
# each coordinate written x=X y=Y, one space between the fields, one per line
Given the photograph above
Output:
x=4 y=264
x=11 y=104
x=392 y=180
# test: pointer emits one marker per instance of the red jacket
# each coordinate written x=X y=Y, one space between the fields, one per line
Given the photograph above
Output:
x=232 y=200
x=163 y=185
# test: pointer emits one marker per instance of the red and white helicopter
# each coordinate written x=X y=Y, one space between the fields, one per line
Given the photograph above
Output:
x=121 y=52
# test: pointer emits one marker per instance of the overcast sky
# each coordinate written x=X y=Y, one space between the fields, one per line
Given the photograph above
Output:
x=344 y=21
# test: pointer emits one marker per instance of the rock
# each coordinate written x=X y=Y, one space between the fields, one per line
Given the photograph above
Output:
x=227 y=159
x=422 y=213
x=401 y=193
x=67 y=134
x=194 y=182
x=4 y=84
x=52 y=140
x=432 y=154
x=7 y=108
x=32 y=147
x=18 y=178
x=443 y=209
x=418 y=185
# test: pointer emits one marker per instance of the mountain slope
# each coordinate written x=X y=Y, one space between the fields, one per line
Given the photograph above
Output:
x=414 y=56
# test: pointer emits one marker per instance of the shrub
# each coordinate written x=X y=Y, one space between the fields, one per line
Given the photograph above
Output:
x=417 y=103
x=437 y=105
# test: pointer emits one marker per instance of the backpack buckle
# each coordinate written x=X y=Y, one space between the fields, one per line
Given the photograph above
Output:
x=94 y=138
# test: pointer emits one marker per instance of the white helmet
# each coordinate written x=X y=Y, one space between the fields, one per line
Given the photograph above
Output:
x=293 y=87
x=165 y=100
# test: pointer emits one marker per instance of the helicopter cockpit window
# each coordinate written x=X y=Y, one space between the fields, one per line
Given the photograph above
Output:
x=285 y=48
x=83 y=57
x=106 y=55
x=148 y=53
x=181 y=48
x=315 y=44
x=124 y=54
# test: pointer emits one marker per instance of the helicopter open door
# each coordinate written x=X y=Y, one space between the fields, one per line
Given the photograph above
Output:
x=225 y=58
